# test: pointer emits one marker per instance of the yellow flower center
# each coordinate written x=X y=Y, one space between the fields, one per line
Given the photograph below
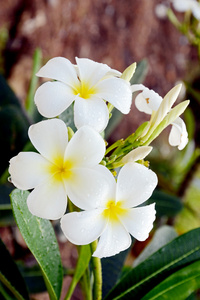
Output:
x=84 y=90
x=113 y=210
x=61 y=170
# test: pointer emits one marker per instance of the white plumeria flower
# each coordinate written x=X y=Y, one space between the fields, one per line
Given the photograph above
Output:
x=62 y=169
x=184 y=5
x=115 y=216
x=148 y=102
x=88 y=84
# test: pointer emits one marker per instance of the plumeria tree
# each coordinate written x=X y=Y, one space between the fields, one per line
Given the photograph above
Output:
x=99 y=193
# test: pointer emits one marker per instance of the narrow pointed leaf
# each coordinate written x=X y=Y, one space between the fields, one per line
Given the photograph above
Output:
x=6 y=215
x=10 y=275
x=111 y=270
x=40 y=239
x=179 y=253
x=82 y=264
x=179 y=285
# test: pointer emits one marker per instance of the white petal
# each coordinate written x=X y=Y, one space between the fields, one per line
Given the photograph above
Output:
x=196 y=10
x=90 y=188
x=86 y=148
x=90 y=71
x=178 y=135
x=148 y=101
x=52 y=98
x=154 y=99
x=142 y=105
x=50 y=138
x=61 y=69
x=182 y=5
x=113 y=240
x=137 y=154
x=137 y=87
x=112 y=73
x=28 y=169
x=82 y=228
x=166 y=104
x=116 y=91
x=135 y=184
x=48 y=200
x=92 y=112
x=139 y=221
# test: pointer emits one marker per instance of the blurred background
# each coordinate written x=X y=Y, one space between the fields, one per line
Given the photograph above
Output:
x=115 y=32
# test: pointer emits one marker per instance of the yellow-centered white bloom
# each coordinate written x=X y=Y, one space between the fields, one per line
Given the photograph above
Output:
x=185 y=5
x=61 y=169
x=115 y=216
x=88 y=84
x=152 y=103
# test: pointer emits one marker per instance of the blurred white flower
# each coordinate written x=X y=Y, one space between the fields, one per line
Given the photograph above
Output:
x=161 y=11
x=62 y=169
x=88 y=84
x=149 y=102
x=184 y=5
x=115 y=216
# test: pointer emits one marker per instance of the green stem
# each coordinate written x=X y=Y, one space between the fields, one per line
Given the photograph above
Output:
x=85 y=285
x=115 y=145
x=97 y=273
x=29 y=103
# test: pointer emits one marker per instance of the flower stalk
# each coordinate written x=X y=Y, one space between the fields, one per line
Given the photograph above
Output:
x=97 y=271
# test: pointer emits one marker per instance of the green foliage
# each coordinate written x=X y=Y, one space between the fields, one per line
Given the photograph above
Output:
x=10 y=275
x=161 y=237
x=29 y=103
x=177 y=254
x=81 y=266
x=40 y=239
x=166 y=204
x=13 y=125
x=6 y=216
x=111 y=270
x=68 y=117
x=179 y=285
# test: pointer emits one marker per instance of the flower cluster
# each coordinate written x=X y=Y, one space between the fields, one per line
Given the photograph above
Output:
x=77 y=167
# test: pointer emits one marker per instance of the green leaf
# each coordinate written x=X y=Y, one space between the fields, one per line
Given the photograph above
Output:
x=7 y=96
x=177 y=254
x=166 y=204
x=13 y=133
x=68 y=117
x=10 y=275
x=33 y=277
x=6 y=215
x=82 y=264
x=128 y=72
x=29 y=103
x=13 y=125
x=140 y=72
x=162 y=236
x=111 y=270
x=40 y=239
x=116 y=118
x=179 y=285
